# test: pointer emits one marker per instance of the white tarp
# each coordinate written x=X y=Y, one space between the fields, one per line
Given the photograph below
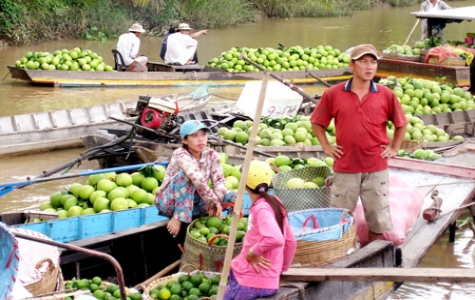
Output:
x=461 y=13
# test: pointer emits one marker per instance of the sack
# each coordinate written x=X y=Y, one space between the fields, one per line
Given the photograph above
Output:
x=405 y=203
x=323 y=235
x=38 y=269
x=300 y=199
x=9 y=260
x=204 y=256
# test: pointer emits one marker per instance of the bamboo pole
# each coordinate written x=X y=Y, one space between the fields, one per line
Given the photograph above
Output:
x=410 y=33
x=242 y=187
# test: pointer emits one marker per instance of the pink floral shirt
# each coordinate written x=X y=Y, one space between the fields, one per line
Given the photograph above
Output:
x=199 y=172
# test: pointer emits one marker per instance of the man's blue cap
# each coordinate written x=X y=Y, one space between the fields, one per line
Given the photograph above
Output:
x=192 y=126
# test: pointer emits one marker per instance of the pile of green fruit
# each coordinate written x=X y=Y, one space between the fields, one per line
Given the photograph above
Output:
x=205 y=230
x=100 y=289
x=285 y=131
x=285 y=163
x=107 y=192
x=404 y=49
x=421 y=96
x=422 y=154
x=191 y=286
x=232 y=173
x=75 y=59
x=285 y=59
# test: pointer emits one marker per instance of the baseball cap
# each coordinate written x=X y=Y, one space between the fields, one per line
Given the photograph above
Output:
x=192 y=126
x=363 y=49
x=259 y=172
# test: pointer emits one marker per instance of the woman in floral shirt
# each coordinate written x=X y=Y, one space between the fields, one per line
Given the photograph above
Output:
x=185 y=192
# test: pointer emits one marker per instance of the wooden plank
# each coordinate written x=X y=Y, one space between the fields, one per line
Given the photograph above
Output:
x=432 y=167
x=454 y=275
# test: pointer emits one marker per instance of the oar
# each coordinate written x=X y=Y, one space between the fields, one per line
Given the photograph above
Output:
x=242 y=187
x=412 y=31
x=318 y=78
x=5 y=188
x=290 y=85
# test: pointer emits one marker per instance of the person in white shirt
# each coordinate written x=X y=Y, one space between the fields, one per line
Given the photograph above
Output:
x=430 y=5
x=181 y=46
x=128 y=45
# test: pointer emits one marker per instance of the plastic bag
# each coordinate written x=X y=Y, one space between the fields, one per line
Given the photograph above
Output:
x=405 y=203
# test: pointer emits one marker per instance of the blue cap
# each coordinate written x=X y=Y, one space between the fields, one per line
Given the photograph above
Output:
x=192 y=126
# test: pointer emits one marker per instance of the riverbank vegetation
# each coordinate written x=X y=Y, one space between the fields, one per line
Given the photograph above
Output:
x=26 y=22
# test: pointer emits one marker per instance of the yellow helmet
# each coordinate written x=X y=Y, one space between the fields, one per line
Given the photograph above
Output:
x=259 y=172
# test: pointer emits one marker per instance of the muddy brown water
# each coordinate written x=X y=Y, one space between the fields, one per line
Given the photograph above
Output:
x=379 y=26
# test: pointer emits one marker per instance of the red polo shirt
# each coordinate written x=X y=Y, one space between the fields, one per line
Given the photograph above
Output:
x=360 y=125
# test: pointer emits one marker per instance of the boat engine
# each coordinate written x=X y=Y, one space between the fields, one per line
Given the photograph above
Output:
x=157 y=114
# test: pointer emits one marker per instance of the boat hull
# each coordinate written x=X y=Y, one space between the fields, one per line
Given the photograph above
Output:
x=459 y=76
x=127 y=79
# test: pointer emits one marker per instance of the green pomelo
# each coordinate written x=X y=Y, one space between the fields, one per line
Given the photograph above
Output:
x=86 y=191
x=70 y=203
x=75 y=211
x=295 y=183
x=115 y=193
x=140 y=196
x=149 y=183
x=159 y=172
x=96 y=195
x=74 y=189
x=119 y=204
x=123 y=179
x=55 y=199
x=106 y=185
x=45 y=205
x=101 y=203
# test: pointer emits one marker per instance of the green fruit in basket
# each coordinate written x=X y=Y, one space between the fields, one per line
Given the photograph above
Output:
x=97 y=280
x=99 y=294
x=215 y=279
x=111 y=288
x=93 y=287
x=196 y=279
x=204 y=288
x=193 y=297
x=213 y=290
x=187 y=285
x=83 y=284
x=116 y=294
x=176 y=289
x=214 y=221
x=183 y=278
x=135 y=296
x=175 y=297
x=164 y=294
x=194 y=291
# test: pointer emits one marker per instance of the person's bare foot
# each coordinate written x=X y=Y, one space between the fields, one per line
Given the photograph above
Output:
x=190 y=62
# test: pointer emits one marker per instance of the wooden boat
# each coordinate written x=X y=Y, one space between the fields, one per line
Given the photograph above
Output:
x=137 y=237
x=63 y=128
x=459 y=76
x=167 y=78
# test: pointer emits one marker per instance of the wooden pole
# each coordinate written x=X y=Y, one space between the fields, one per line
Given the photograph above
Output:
x=380 y=274
x=242 y=187
x=412 y=31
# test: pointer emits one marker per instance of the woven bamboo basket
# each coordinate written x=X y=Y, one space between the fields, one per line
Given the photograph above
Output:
x=174 y=277
x=320 y=253
x=449 y=62
x=206 y=257
x=299 y=199
x=411 y=146
x=422 y=56
x=51 y=280
x=390 y=55
x=414 y=58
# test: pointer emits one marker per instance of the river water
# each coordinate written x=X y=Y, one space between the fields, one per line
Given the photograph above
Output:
x=381 y=26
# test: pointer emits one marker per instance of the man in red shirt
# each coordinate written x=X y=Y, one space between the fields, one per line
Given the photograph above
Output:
x=361 y=109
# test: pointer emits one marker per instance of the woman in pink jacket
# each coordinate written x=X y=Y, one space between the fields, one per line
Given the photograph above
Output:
x=269 y=245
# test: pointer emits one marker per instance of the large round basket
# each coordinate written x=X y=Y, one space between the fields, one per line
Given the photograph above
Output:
x=302 y=198
x=174 y=277
x=206 y=257
x=323 y=236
